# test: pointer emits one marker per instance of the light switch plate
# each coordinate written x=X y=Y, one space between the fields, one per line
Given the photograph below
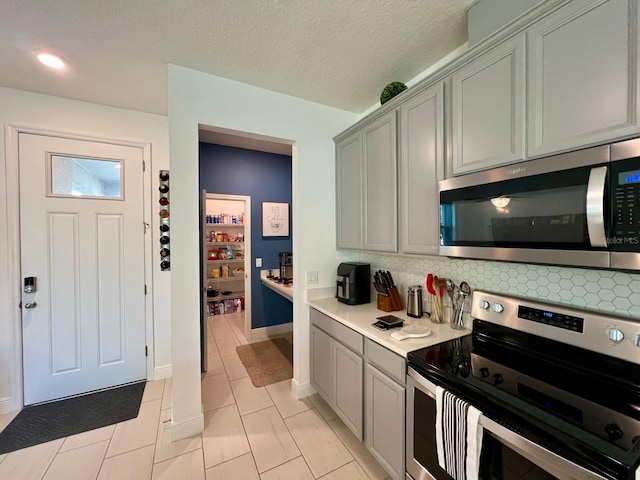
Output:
x=312 y=277
x=258 y=262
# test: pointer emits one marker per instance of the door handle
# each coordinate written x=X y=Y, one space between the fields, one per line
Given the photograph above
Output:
x=30 y=305
x=595 y=207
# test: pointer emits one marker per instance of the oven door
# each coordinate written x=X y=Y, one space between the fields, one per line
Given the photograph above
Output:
x=530 y=212
x=505 y=454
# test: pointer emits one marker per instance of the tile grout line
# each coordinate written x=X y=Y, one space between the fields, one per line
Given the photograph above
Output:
x=294 y=439
x=53 y=459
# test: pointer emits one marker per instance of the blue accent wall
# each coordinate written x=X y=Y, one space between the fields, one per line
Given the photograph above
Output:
x=265 y=177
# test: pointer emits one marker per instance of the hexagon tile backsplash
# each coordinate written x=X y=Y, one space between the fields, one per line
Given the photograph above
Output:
x=605 y=290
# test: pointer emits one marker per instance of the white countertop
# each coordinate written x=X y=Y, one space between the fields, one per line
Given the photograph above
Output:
x=285 y=290
x=360 y=318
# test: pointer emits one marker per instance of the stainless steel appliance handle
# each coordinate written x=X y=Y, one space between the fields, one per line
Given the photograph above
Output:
x=556 y=465
x=595 y=207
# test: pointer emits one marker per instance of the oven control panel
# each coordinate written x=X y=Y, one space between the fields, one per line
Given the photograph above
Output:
x=592 y=330
x=553 y=319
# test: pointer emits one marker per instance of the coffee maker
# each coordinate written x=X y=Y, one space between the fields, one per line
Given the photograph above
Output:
x=286 y=267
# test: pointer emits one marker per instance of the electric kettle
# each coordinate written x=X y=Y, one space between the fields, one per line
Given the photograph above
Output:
x=414 y=301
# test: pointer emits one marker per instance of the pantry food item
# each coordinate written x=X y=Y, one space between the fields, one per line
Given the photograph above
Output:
x=238 y=272
x=224 y=271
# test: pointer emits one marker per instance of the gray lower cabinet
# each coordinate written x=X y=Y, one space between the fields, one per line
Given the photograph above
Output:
x=488 y=108
x=364 y=383
x=348 y=375
x=583 y=75
x=421 y=164
x=385 y=421
x=322 y=363
x=337 y=371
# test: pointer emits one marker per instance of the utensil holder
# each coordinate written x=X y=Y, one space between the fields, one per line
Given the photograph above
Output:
x=457 y=319
x=390 y=302
x=437 y=312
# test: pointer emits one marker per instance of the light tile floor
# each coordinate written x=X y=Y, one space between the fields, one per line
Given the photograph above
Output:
x=250 y=434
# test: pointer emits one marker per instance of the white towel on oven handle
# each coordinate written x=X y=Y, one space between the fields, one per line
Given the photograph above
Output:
x=458 y=436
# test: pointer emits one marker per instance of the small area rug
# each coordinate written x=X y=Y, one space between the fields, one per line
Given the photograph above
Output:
x=49 y=421
x=267 y=362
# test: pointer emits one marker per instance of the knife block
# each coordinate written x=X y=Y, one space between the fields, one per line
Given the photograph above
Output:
x=391 y=302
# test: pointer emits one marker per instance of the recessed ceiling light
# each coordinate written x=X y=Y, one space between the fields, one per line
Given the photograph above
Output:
x=50 y=60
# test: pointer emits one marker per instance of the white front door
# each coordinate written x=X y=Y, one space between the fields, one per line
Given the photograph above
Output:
x=82 y=239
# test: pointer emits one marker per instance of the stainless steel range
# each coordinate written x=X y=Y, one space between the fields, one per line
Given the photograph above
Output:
x=559 y=389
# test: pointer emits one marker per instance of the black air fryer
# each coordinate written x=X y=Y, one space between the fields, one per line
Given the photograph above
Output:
x=353 y=283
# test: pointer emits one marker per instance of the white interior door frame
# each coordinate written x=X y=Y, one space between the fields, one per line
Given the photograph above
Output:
x=13 y=240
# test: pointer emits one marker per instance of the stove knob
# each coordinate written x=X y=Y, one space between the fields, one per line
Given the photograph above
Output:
x=484 y=371
x=636 y=339
x=613 y=431
x=497 y=379
x=498 y=308
x=614 y=334
x=484 y=304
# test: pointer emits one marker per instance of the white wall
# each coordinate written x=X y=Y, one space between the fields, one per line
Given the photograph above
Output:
x=25 y=109
x=198 y=98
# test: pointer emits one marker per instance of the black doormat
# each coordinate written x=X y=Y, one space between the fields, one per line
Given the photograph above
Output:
x=50 y=421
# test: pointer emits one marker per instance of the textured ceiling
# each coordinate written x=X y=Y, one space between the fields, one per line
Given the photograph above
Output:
x=335 y=52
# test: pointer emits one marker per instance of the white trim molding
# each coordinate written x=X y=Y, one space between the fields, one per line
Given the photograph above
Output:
x=6 y=405
x=301 y=390
x=272 y=331
x=187 y=428
x=163 y=371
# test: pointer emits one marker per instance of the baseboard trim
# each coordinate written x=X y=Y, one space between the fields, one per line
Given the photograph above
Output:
x=301 y=390
x=187 y=428
x=6 y=405
x=162 y=372
x=272 y=331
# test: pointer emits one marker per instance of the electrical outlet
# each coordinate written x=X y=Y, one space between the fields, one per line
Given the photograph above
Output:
x=258 y=262
x=312 y=277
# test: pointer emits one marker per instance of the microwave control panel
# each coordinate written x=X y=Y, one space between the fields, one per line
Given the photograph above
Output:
x=625 y=204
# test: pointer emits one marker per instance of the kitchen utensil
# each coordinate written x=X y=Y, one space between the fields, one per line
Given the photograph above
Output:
x=429 y=284
x=451 y=290
x=411 y=331
x=457 y=321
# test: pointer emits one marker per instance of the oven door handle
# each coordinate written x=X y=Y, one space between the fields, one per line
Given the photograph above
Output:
x=595 y=207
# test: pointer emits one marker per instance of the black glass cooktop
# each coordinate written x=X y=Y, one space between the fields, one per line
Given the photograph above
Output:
x=583 y=405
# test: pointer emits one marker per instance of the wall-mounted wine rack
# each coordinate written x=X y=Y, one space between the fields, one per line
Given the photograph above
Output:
x=165 y=248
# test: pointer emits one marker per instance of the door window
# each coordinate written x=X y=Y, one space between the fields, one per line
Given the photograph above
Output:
x=84 y=177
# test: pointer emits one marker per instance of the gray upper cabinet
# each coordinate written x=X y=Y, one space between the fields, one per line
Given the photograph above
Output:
x=488 y=108
x=349 y=192
x=380 y=221
x=583 y=75
x=366 y=187
x=421 y=162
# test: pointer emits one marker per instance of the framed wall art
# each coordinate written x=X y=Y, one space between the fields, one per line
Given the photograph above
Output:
x=275 y=219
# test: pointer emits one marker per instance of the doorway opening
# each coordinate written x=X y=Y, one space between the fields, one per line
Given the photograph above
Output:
x=234 y=163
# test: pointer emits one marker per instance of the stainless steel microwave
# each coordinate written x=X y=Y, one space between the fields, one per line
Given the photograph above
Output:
x=580 y=208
